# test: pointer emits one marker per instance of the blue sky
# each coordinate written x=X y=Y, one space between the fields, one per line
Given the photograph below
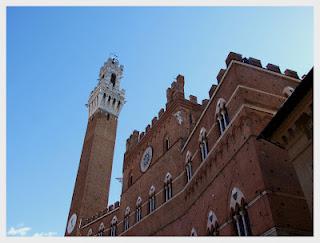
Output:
x=53 y=59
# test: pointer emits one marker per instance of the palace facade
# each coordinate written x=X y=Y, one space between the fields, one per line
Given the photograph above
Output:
x=225 y=166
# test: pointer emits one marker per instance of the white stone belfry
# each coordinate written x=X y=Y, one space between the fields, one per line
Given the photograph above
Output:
x=107 y=95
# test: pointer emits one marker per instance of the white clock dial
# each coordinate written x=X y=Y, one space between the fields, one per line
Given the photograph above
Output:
x=72 y=223
x=146 y=159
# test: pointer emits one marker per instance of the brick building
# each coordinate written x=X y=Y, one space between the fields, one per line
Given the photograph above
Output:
x=197 y=169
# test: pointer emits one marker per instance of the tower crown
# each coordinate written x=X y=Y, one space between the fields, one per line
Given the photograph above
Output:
x=107 y=95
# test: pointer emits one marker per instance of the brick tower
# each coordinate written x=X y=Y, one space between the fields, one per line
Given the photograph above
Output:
x=91 y=188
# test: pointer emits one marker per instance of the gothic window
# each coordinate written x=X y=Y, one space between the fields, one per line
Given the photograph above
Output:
x=239 y=213
x=190 y=118
x=188 y=166
x=113 y=228
x=193 y=232
x=152 y=199
x=126 y=219
x=203 y=144
x=212 y=224
x=119 y=103
x=138 y=210
x=287 y=91
x=109 y=98
x=114 y=101
x=167 y=187
x=166 y=143
x=113 y=79
x=101 y=230
x=222 y=115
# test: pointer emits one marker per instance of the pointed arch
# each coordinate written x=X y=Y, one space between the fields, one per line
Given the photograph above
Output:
x=287 y=91
x=127 y=211
x=89 y=232
x=212 y=224
x=239 y=213
x=204 y=148
x=193 y=232
x=167 y=187
x=221 y=115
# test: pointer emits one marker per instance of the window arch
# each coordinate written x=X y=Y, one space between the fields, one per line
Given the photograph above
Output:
x=193 y=232
x=101 y=230
x=166 y=143
x=188 y=166
x=287 y=91
x=204 y=149
x=152 y=199
x=113 y=79
x=113 y=228
x=138 y=209
x=126 y=219
x=239 y=213
x=222 y=115
x=212 y=224
x=167 y=187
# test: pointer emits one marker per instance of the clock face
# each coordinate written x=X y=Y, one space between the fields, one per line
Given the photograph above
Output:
x=72 y=223
x=146 y=159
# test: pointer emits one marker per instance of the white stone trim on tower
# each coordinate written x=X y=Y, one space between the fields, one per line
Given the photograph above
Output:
x=107 y=95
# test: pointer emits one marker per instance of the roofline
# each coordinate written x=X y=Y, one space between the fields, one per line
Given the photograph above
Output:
x=287 y=107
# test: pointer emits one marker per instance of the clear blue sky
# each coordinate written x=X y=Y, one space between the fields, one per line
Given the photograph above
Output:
x=53 y=59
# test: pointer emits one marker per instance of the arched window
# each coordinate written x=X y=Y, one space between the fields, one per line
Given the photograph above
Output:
x=167 y=187
x=212 y=224
x=203 y=144
x=152 y=199
x=138 y=210
x=126 y=224
x=239 y=213
x=287 y=91
x=113 y=228
x=89 y=232
x=222 y=115
x=193 y=232
x=166 y=143
x=113 y=79
x=101 y=230
x=188 y=166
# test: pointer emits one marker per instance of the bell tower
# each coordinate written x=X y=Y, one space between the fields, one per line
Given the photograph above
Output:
x=92 y=184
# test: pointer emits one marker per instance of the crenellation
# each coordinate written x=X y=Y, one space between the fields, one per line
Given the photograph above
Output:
x=160 y=113
x=212 y=89
x=291 y=73
x=233 y=56
x=254 y=62
x=193 y=99
x=204 y=102
x=154 y=121
x=141 y=135
x=220 y=161
x=273 y=68
x=220 y=75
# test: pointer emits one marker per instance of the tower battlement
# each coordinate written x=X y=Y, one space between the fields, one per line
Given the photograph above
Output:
x=107 y=95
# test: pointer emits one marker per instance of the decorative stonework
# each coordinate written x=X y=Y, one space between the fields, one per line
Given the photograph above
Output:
x=107 y=95
x=146 y=159
x=178 y=116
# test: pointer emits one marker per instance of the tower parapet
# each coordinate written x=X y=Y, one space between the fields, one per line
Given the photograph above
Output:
x=107 y=95
x=176 y=90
